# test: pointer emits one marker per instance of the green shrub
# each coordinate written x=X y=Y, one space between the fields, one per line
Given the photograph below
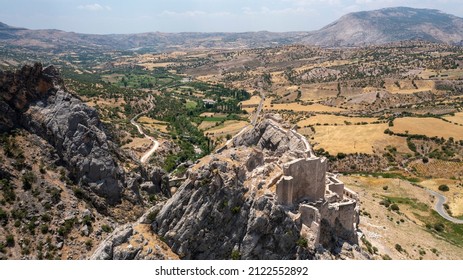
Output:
x=395 y=207
x=235 y=210
x=44 y=229
x=399 y=248
x=88 y=244
x=302 y=242
x=386 y=257
x=3 y=215
x=439 y=227
x=28 y=179
x=444 y=188
x=235 y=255
x=106 y=228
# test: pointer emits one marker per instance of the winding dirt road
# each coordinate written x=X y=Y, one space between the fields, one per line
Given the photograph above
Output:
x=153 y=149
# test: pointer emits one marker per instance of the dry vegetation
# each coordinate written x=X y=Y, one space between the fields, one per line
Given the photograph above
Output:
x=428 y=126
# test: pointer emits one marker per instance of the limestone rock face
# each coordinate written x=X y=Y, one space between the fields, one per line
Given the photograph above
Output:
x=231 y=204
x=35 y=99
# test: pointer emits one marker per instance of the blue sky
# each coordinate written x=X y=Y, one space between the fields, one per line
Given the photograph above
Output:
x=134 y=16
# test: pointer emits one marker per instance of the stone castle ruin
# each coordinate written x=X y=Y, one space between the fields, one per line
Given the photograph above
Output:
x=315 y=198
x=255 y=198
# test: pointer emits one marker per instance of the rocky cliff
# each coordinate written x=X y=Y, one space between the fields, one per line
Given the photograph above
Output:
x=35 y=99
x=264 y=195
x=62 y=188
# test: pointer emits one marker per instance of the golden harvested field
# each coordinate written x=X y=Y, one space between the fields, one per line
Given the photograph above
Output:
x=450 y=74
x=229 y=127
x=206 y=125
x=428 y=126
x=296 y=107
x=151 y=66
x=458 y=118
x=351 y=138
x=384 y=229
x=153 y=124
x=439 y=168
x=454 y=195
x=332 y=119
x=253 y=101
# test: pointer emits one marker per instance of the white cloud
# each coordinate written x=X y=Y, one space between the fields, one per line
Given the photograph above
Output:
x=94 y=7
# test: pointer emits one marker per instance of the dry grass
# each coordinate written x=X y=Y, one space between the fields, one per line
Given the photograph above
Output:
x=428 y=126
x=150 y=66
x=450 y=74
x=153 y=124
x=384 y=228
x=458 y=118
x=332 y=119
x=253 y=101
x=229 y=127
x=296 y=107
x=107 y=102
x=454 y=195
x=207 y=125
x=438 y=168
x=351 y=138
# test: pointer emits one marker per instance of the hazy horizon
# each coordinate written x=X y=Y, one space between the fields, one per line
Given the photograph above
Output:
x=138 y=16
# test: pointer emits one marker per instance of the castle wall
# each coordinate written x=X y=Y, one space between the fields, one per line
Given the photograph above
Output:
x=308 y=178
x=310 y=218
x=340 y=220
x=284 y=190
x=336 y=186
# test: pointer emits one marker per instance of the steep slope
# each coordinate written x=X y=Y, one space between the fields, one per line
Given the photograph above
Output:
x=263 y=196
x=389 y=25
x=62 y=187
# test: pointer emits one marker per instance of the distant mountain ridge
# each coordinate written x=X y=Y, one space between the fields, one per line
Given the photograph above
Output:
x=354 y=29
x=389 y=25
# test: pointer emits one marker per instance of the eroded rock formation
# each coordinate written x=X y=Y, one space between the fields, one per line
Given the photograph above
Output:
x=263 y=196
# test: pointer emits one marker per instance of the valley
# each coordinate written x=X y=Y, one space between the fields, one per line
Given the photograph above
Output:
x=387 y=117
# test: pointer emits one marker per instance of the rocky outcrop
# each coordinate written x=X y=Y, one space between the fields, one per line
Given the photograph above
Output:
x=134 y=241
x=231 y=204
x=35 y=99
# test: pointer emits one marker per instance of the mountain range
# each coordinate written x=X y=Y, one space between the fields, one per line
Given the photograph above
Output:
x=355 y=29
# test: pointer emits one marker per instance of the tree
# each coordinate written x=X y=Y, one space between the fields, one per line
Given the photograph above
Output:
x=444 y=188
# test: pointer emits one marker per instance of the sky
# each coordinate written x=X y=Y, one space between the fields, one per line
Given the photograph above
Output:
x=136 y=16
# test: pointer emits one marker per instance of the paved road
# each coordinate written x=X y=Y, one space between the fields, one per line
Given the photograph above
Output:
x=153 y=149
x=439 y=207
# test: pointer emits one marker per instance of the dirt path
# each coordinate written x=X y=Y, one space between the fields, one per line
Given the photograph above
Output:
x=153 y=149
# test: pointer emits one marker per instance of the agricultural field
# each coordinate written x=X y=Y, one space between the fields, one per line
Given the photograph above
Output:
x=229 y=128
x=350 y=138
x=297 y=107
x=438 y=168
x=456 y=119
x=427 y=126
x=334 y=120
x=152 y=124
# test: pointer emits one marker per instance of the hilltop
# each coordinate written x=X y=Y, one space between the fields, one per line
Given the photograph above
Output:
x=354 y=29
x=389 y=25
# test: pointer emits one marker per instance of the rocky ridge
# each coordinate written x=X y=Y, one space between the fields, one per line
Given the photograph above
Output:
x=242 y=203
x=57 y=165
x=35 y=98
